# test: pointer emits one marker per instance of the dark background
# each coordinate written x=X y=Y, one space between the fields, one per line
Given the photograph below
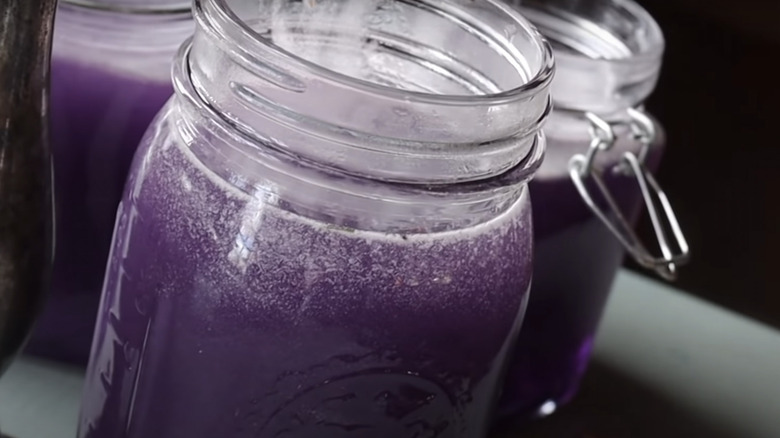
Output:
x=718 y=99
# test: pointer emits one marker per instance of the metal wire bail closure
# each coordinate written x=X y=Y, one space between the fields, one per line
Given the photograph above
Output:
x=582 y=168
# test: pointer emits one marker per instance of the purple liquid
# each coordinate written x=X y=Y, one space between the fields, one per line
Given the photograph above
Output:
x=575 y=262
x=98 y=118
x=225 y=316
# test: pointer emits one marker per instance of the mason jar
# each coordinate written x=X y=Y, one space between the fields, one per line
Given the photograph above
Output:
x=110 y=75
x=327 y=230
x=596 y=179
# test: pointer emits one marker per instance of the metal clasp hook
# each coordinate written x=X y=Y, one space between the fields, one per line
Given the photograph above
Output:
x=583 y=167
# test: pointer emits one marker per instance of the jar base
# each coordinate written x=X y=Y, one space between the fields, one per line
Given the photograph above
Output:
x=510 y=419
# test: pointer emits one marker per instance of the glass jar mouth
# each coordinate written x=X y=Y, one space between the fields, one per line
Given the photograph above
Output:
x=136 y=44
x=619 y=31
x=519 y=174
x=230 y=151
x=131 y=7
x=608 y=52
x=420 y=91
x=224 y=18
x=192 y=101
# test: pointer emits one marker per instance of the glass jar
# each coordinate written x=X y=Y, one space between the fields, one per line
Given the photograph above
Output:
x=327 y=231
x=110 y=75
x=597 y=174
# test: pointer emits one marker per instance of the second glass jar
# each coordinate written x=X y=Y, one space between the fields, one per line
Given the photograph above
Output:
x=608 y=55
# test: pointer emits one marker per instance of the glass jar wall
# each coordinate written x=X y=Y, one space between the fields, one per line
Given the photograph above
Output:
x=327 y=231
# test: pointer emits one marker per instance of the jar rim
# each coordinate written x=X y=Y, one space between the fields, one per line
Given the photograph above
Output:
x=608 y=52
x=520 y=173
x=231 y=150
x=228 y=20
x=652 y=46
x=178 y=8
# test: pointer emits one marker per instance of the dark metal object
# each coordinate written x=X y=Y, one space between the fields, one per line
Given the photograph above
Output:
x=26 y=202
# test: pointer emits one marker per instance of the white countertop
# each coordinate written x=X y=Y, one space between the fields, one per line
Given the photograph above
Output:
x=715 y=365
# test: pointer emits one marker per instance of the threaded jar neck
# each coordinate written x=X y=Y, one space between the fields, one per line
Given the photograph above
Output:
x=416 y=92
